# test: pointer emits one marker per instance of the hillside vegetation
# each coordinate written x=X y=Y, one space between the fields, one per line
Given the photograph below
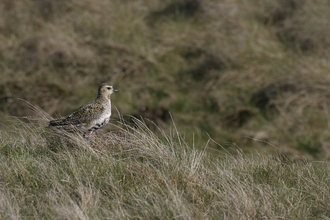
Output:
x=243 y=72
x=223 y=109
x=135 y=174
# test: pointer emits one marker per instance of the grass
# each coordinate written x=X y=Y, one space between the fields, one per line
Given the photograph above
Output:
x=251 y=75
x=132 y=173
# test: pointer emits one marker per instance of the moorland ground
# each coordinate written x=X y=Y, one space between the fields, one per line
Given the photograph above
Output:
x=252 y=75
x=135 y=174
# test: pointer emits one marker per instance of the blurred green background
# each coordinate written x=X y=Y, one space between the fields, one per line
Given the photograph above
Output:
x=247 y=73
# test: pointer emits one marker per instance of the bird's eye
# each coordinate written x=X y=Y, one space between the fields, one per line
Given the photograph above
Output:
x=109 y=88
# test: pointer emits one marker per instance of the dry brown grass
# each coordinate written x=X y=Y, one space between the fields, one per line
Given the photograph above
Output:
x=132 y=173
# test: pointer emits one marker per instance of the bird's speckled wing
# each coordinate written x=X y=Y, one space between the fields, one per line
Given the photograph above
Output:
x=82 y=115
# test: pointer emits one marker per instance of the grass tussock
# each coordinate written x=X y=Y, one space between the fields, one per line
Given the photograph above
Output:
x=132 y=173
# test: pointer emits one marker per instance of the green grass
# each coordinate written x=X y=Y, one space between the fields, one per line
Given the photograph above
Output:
x=132 y=173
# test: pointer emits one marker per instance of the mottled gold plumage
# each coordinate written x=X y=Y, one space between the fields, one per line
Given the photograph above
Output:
x=91 y=116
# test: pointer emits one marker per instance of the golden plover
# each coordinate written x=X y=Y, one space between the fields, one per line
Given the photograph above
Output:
x=92 y=116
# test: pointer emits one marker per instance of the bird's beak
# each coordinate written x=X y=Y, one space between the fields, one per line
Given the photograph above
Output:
x=115 y=90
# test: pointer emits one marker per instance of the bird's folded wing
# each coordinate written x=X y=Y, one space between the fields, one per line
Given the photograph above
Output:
x=85 y=114
x=82 y=115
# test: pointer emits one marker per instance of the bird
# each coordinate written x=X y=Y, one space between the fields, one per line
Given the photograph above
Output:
x=92 y=116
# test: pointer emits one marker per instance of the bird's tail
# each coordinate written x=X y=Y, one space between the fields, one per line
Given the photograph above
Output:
x=58 y=123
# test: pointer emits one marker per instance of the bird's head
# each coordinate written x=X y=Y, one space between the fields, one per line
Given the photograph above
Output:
x=105 y=90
